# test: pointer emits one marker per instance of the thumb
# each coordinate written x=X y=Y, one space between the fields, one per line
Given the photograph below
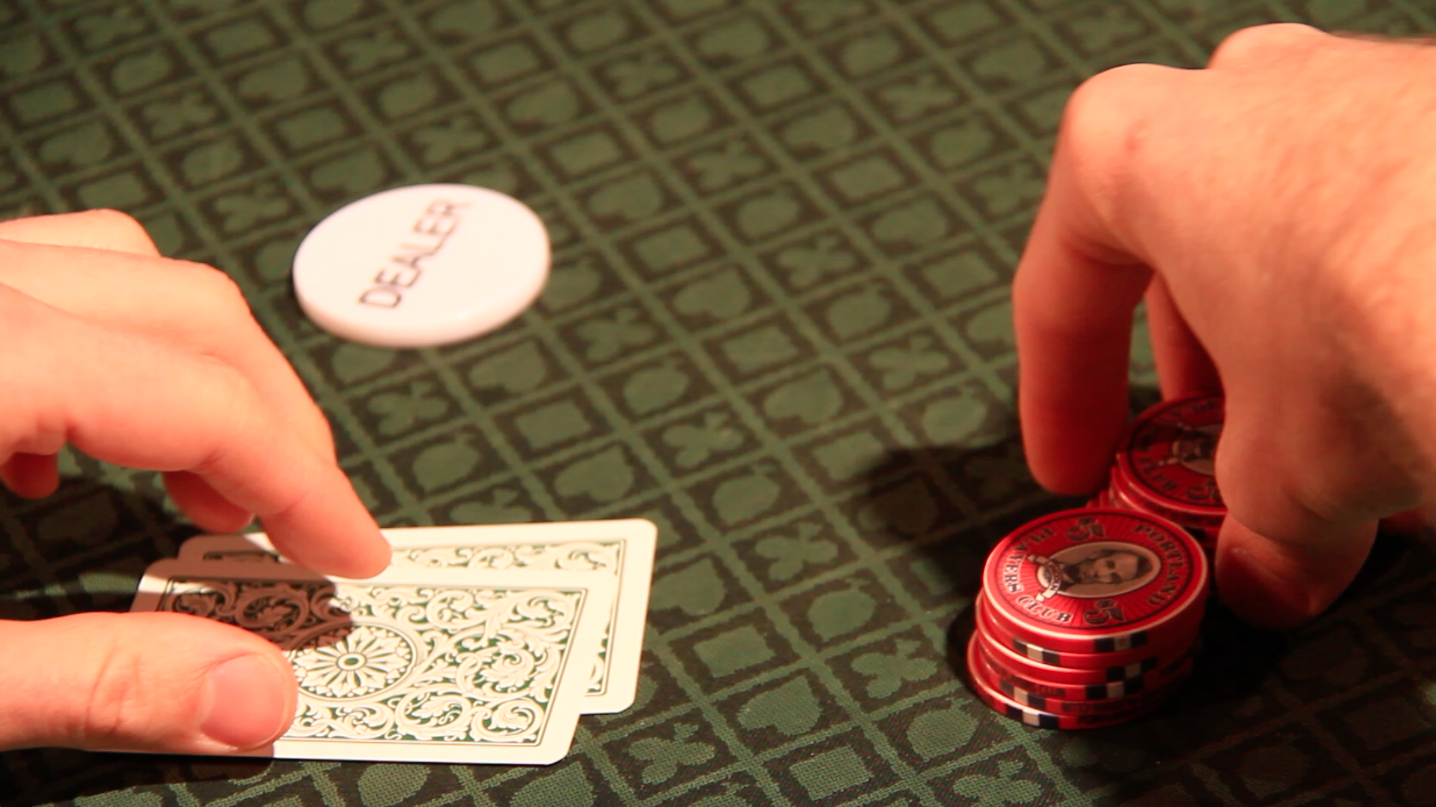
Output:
x=157 y=682
x=1278 y=584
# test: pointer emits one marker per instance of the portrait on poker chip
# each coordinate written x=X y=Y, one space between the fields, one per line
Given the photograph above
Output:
x=1196 y=449
x=1102 y=569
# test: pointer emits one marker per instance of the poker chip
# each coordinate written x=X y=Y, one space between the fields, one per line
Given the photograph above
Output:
x=1005 y=705
x=1165 y=463
x=1051 y=673
x=1134 y=703
x=1092 y=616
x=1076 y=692
x=1098 y=580
x=1126 y=655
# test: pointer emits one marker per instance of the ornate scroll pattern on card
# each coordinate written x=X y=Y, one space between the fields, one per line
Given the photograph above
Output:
x=568 y=556
x=418 y=663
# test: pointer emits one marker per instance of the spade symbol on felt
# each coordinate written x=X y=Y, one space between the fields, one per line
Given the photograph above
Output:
x=998 y=790
x=604 y=477
x=910 y=508
x=696 y=590
x=791 y=708
x=922 y=94
x=1271 y=770
x=352 y=362
x=327 y=13
x=743 y=38
x=568 y=786
x=720 y=296
x=728 y=798
x=549 y=105
x=654 y=388
x=140 y=70
x=407 y=96
x=943 y=731
x=598 y=30
x=441 y=465
x=913 y=224
x=275 y=82
x=825 y=129
x=631 y=198
x=571 y=284
x=499 y=509
x=813 y=399
x=86 y=144
x=353 y=173
x=518 y=369
x=955 y=146
x=839 y=612
x=955 y=421
x=468 y=19
x=857 y=313
x=1015 y=62
x=390 y=785
x=745 y=497
x=682 y=119
x=766 y=215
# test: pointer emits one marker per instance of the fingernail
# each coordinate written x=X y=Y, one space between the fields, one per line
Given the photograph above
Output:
x=248 y=702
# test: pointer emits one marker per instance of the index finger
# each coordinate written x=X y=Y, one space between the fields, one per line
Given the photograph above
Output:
x=1074 y=294
x=136 y=401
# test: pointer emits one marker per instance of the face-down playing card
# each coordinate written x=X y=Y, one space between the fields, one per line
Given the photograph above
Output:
x=621 y=548
x=413 y=665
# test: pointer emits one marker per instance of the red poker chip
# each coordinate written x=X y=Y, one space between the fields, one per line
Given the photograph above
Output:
x=1206 y=536
x=1087 y=692
x=1069 y=676
x=1137 y=701
x=1165 y=462
x=1096 y=580
x=1036 y=717
x=1174 y=642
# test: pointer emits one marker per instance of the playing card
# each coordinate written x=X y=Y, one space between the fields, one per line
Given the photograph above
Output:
x=416 y=665
x=620 y=548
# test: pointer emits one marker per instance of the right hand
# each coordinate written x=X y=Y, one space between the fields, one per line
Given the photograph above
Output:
x=1276 y=211
x=154 y=363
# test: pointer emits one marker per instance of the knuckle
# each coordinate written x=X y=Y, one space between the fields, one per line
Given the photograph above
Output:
x=220 y=289
x=115 y=709
x=1261 y=43
x=223 y=306
x=1104 y=127
x=121 y=229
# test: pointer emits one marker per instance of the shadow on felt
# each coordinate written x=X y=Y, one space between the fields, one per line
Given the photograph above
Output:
x=84 y=550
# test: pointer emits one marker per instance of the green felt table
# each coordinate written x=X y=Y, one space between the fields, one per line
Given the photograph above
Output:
x=778 y=326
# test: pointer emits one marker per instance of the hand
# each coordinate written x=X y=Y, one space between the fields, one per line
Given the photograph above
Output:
x=154 y=363
x=1275 y=210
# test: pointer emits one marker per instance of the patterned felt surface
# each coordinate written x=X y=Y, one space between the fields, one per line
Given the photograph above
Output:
x=778 y=326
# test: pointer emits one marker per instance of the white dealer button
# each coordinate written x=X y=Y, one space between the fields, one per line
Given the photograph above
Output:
x=422 y=265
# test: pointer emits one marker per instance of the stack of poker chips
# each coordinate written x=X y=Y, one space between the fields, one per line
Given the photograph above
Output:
x=1165 y=466
x=1087 y=617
